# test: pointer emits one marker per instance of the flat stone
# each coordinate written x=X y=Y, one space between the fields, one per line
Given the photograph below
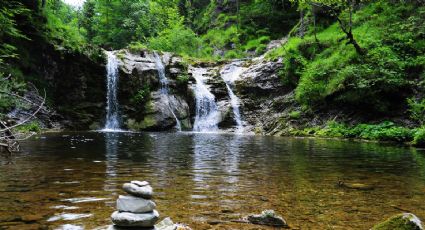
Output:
x=134 y=204
x=145 y=191
x=139 y=183
x=128 y=219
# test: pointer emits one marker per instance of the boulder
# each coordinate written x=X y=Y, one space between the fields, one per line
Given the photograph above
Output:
x=134 y=204
x=139 y=191
x=128 y=219
x=403 y=221
x=268 y=217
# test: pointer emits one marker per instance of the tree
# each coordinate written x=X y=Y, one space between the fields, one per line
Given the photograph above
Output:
x=335 y=9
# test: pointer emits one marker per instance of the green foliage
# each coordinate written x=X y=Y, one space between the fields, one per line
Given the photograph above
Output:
x=8 y=28
x=332 y=72
x=177 y=39
x=63 y=25
x=258 y=45
x=182 y=79
x=33 y=126
x=142 y=96
x=417 y=109
x=136 y=46
x=419 y=137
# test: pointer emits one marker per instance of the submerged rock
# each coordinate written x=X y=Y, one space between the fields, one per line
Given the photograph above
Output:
x=404 y=221
x=356 y=186
x=268 y=217
x=128 y=219
x=134 y=204
x=134 y=188
x=167 y=224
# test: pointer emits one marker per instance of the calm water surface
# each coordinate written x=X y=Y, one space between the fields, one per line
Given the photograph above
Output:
x=60 y=180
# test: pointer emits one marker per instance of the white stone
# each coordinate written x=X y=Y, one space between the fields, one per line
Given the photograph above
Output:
x=139 y=191
x=139 y=183
x=134 y=204
x=165 y=224
x=128 y=219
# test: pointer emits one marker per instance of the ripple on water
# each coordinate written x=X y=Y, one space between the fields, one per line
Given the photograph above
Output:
x=64 y=207
x=85 y=199
x=69 y=227
x=68 y=216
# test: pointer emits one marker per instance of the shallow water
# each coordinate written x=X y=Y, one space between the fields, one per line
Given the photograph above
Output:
x=61 y=180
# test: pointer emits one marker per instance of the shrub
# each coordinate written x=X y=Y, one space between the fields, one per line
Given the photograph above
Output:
x=136 y=47
x=33 y=126
x=419 y=137
x=417 y=109
x=141 y=96
x=182 y=79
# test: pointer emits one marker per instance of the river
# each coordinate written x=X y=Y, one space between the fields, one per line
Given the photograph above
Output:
x=207 y=180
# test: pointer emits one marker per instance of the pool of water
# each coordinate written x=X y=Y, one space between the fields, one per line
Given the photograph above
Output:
x=61 y=180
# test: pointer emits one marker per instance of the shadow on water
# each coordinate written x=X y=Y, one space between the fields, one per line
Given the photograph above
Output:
x=203 y=179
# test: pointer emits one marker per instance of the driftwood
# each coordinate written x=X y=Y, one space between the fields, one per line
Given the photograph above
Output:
x=9 y=141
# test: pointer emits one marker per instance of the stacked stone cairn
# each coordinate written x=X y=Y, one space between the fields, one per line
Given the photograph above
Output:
x=135 y=210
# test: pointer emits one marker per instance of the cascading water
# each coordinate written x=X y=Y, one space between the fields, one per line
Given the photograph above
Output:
x=164 y=88
x=230 y=73
x=207 y=115
x=112 y=119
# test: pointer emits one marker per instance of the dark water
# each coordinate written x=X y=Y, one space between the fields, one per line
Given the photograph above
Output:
x=208 y=180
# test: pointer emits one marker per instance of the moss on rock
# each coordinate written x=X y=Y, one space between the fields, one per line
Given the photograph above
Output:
x=404 y=221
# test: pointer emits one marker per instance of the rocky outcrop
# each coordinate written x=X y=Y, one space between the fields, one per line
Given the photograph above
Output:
x=143 y=105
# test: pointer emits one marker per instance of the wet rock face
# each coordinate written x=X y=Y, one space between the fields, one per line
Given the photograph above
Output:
x=154 y=111
x=260 y=79
x=257 y=87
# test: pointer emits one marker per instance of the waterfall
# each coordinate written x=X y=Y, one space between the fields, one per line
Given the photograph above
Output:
x=207 y=115
x=164 y=88
x=112 y=119
x=230 y=73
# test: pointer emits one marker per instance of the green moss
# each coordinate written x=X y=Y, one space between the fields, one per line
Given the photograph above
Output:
x=295 y=115
x=398 y=222
x=385 y=131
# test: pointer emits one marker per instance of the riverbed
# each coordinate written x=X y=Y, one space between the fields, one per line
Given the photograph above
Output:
x=207 y=181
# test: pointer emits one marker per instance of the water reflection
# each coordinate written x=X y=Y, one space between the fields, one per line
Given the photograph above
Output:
x=111 y=159
x=211 y=178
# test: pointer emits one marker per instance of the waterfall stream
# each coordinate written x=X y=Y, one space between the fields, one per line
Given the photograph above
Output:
x=207 y=115
x=112 y=113
x=230 y=73
x=164 y=88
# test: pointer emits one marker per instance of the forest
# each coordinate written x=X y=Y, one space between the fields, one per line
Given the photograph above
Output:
x=200 y=81
x=363 y=56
